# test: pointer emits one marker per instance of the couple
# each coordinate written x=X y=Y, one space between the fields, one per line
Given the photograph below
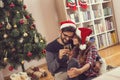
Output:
x=79 y=61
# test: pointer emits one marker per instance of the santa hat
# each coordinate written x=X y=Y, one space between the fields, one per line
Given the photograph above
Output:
x=83 y=33
x=67 y=23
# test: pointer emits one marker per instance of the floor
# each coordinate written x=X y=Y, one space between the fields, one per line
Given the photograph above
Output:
x=111 y=55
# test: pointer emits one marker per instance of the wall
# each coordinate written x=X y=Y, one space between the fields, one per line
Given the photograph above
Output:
x=44 y=14
x=116 y=5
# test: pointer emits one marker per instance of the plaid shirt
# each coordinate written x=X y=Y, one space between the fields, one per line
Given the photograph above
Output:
x=91 y=56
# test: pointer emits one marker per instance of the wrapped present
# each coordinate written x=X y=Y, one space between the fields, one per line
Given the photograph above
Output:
x=20 y=76
x=36 y=72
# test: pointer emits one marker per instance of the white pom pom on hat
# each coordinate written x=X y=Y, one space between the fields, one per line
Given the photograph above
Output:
x=83 y=33
x=67 y=23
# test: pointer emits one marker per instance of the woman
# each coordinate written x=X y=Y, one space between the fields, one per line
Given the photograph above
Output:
x=87 y=56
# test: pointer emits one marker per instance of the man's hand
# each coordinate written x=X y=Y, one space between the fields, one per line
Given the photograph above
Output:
x=63 y=52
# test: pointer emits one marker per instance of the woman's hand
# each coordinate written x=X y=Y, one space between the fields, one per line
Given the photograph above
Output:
x=97 y=66
x=74 y=72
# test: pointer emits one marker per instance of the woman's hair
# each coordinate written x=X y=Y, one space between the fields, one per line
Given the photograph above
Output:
x=77 y=51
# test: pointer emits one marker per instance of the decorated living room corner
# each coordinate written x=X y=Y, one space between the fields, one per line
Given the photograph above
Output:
x=19 y=38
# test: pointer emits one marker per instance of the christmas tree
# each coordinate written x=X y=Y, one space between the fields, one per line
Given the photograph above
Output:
x=19 y=38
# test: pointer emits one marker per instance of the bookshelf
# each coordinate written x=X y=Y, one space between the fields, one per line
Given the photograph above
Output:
x=99 y=16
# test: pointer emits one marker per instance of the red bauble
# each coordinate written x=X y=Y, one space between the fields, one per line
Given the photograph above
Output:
x=24 y=7
x=44 y=51
x=12 y=5
x=27 y=17
x=21 y=21
x=33 y=26
x=29 y=54
x=11 y=68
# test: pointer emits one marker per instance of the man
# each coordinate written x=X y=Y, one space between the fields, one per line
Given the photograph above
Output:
x=56 y=54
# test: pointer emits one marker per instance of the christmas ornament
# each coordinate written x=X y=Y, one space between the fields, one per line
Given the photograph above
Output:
x=32 y=26
x=83 y=5
x=15 y=26
x=25 y=34
x=25 y=20
x=5 y=36
x=29 y=54
x=22 y=62
x=3 y=22
x=44 y=51
x=8 y=26
x=71 y=5
x=17 y=12
x=1 y=4
x=24 y=7
x=5 y=59
x=11 y=68
x=36 y=40
x=83 y=33
x=42 y=41
x=27 y=17
x=12 y=5
x=21 y=21
x=21 y=40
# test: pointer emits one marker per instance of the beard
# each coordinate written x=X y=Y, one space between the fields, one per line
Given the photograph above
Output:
x=66 y=41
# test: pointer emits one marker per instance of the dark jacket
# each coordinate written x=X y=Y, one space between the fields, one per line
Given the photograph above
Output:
x=53 y=62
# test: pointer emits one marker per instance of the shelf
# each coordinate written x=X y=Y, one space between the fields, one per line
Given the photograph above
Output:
x=99 y=17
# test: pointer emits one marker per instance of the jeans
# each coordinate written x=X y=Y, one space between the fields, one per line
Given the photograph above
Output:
x=61 y=76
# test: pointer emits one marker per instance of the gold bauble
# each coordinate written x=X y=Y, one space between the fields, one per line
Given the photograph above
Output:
x=5 y=59
x=5 y=35
x=41 y=40
x=25 y=34
x=23 y=62
x=15 y=26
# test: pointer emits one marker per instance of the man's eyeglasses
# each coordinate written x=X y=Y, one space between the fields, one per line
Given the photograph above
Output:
x=70 y=37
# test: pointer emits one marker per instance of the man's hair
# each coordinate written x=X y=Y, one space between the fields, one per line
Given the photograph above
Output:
x=69 y=28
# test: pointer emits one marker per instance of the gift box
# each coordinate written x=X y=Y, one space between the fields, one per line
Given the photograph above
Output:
x=20 y=76
x=36 y=72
